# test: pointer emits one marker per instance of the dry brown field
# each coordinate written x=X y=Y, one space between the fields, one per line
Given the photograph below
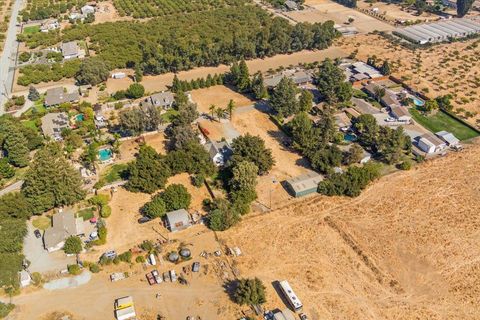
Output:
x=395 y=12
x=407 y=248
x=442 y=69
x=219 y=96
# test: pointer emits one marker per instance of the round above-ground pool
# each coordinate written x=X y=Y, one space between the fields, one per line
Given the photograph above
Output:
x=79 y=117
x=418 y=102
x=104 y=154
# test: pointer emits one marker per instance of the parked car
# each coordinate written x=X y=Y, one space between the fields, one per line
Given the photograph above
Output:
x=390 y=119
x=144 y=220
x=110 y=254
x=196 y=267
x=37 y=233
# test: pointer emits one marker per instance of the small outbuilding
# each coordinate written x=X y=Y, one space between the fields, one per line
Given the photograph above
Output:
x=291 y=5
x=283 y=315
x=448 y=137
x=25 y=278
x=87 y=9
x=178 y=220
x=304 y=184
x=429 y=143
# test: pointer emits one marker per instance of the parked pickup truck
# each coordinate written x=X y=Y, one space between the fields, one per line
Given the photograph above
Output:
x=156 y=275
x=150 y=278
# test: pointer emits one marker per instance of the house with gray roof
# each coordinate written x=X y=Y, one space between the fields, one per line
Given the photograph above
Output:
x=53 y=124
x=448 y=137
x=220 y=152
x=291 y=5
x=178 y=220
x=64 y=225
x=430 y=144
x=56 y=96
x=70 y=50
x=164 y=99
x=401 y=113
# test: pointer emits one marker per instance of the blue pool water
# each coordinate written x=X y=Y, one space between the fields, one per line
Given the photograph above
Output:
x=350 y=137
x=79 y=117
x=104 y=154
x=418 y=102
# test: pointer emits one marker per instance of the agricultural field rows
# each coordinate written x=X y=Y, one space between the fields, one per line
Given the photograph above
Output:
x=44 y=9
x=158 y=8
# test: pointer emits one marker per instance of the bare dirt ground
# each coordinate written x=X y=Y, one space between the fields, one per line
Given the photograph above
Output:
x=204 y=296
x=5 y=12
x=442 y=69
x=407 y=248
x=106 y=12
x=287 y=163
x=324 y=10
x=219 y=96
x=198 y=194
x=129 y=148
x=394 y=12
x=160 y=82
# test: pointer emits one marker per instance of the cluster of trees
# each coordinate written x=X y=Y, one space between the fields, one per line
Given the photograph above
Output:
x=348 y=3
x=250 y=292
x=138 y=120
x=92 y=71
x=40 y=39
x=42 y=9
x=389 y=144
x=285 y=101
x=384 y=68
x=239 y=77
x=184 y=85
x=350 y=183
x=134 y=91
x=174 y=197
x=37 y=73
x=200 y=39
x=159 y=8
x=331 y=84
x=250 y=158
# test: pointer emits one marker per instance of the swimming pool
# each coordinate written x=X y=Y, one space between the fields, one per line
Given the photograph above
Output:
x=104 y=154
x=79 y=117
x=418 y=102
x=350 y=137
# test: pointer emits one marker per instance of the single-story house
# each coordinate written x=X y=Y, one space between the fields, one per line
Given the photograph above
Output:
x=283 y=315
x=429 y=143
x=87 y=9
x=163 y=99
x=352 y=112
x=56 y=96
x=64 y=225
x=50 y=24
x=448 y=137
x=70 y=50
x=364 y=71
x=25 y=278
x=53 y=124
x=291 y=5
x=220 y=152
x=299 y=77
x=401 y=113
x=342 y=121
x=178 y=220
x=304 y=184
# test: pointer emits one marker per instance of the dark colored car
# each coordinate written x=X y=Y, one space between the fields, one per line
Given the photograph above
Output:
x=303 y=316
x=144 y=220
x=37 y=233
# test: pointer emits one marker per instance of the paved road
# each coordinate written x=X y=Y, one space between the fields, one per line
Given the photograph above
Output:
x=13 y=187
x=7 y=59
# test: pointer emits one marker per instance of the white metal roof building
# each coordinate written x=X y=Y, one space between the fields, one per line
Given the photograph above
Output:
x=439 y=31
x=448 y=137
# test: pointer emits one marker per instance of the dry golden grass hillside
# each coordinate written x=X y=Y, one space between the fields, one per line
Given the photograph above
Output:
x=407 y=248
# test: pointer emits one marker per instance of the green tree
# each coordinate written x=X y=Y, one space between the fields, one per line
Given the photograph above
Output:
x=431 y=105
x=221 y=216
x=306 y=101
x=6 y=169
x=33 y=94
x=176 y=197
x=51 y=180
x=73 y=245
x=331 y=84
x=230 y=108
x=244 y=176
x=243 y=80
x=252 y=148
x=138 y=74
x=354 y=155
x=92 y=71
x=379 y=92
x=14 y=205
x=181 y=135
x=176 y=84
x=283 y=99
x=148 y=172
x=16 y=147
x=135 y=91
x=258 y=86
x=385 y=68
x=305 y=136
x=249 y=291
x=155 y=208
x=368 y=129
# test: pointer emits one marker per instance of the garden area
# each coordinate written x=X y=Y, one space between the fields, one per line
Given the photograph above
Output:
x=440 y=120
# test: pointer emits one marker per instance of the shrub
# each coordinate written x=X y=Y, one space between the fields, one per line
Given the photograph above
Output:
x=249 y=291
x=155 y=208
x=176 y=197
x=37 y=279
x=198 y=180
x=140 y=259
x=405 y=165
x=99 y=200
x=73 y=245
x=105 y=211
x=94 y=268
x=74 y=269
x=126 y=257
x=5 y=309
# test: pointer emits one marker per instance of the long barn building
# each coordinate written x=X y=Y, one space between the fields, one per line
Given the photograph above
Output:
x=439 y=31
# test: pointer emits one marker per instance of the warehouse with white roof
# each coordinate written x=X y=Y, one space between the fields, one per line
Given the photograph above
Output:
x=439 y=31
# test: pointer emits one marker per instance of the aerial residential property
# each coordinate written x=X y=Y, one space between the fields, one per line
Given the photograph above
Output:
x=240 y=160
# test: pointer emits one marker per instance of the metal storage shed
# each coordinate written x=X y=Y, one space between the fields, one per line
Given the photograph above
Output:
x=304 y=184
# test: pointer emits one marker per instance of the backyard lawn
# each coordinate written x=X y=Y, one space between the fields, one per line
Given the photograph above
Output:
x=31 y=29
x=442 y=121
x=42 y=223
x=112 y=174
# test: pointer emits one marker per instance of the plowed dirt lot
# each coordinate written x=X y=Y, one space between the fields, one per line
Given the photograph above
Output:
x=407 y=248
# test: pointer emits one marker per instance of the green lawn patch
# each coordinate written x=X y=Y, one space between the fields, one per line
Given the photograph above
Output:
x=169 y=115
x=30 y=124
x=31 y=29
x=42 y=223
x=442 y=121
x=86 y=214
x=114 y=173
